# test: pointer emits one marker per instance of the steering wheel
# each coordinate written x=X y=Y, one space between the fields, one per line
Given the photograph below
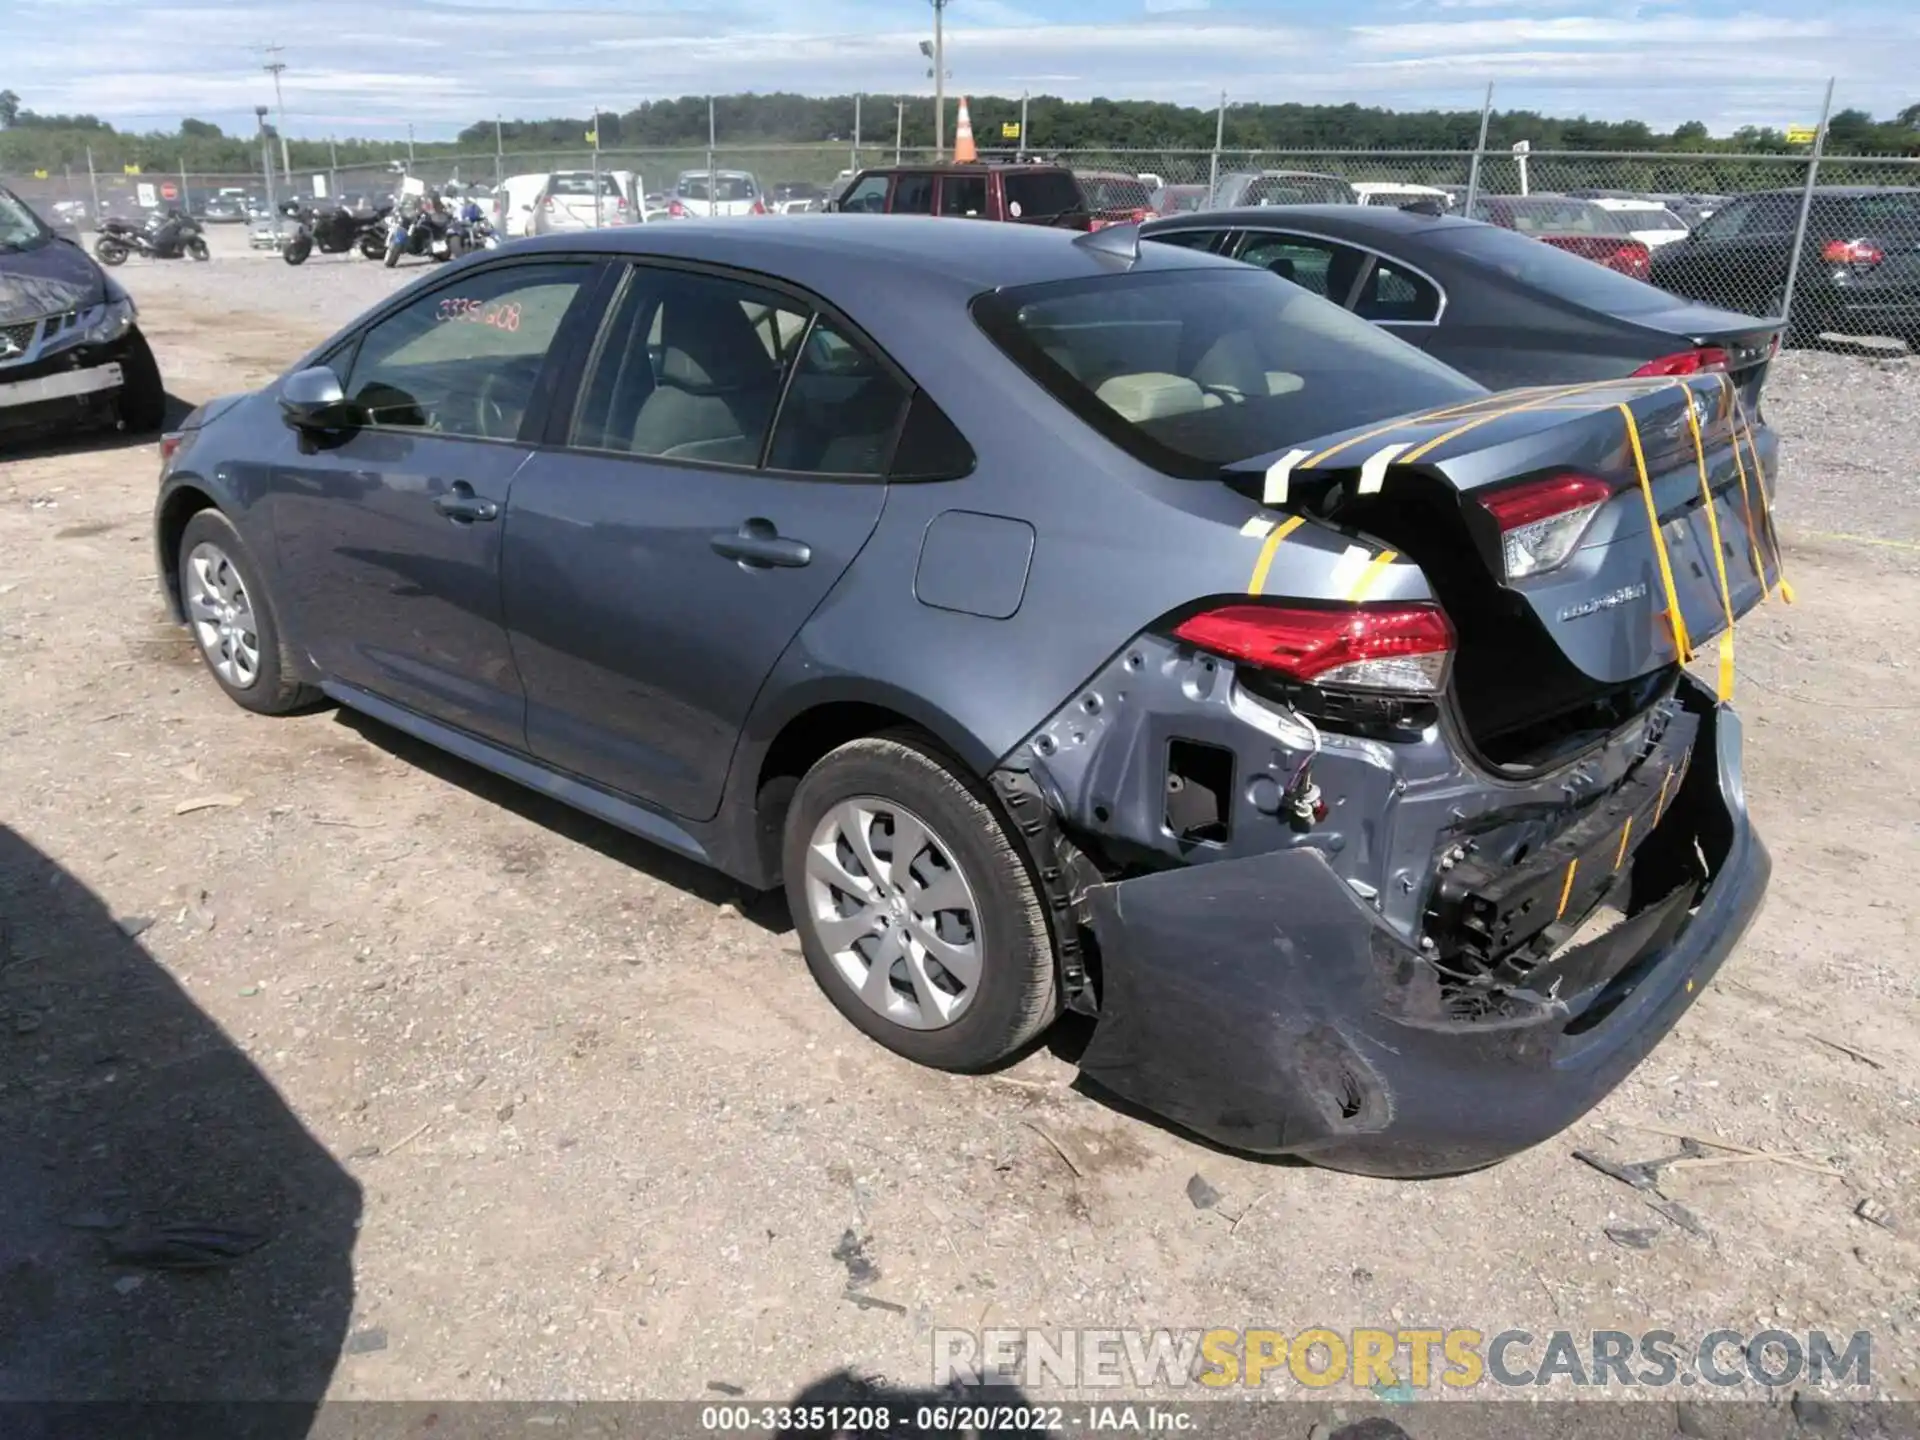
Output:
x=490 y=411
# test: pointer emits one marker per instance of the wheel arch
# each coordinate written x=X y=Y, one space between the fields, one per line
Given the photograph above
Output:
x=178 y=505
x=811 y=722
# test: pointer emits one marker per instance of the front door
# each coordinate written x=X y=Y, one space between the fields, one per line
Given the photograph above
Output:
x=388 y=533
x=723 y=468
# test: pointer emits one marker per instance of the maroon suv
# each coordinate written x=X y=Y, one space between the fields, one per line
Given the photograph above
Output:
x=1023 y=194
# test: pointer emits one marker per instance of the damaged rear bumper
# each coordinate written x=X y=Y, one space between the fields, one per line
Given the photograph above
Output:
x=1260 y=1003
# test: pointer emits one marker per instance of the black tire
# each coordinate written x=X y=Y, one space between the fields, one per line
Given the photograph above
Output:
x=371 y=247
x=197 y=249
x=393 y=256
x=143 y=395
x=109 y=252
x=274 y=690
x=297 y=249
x=1016 y=996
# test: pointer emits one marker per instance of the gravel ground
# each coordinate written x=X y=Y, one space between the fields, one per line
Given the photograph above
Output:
x=517 y=1106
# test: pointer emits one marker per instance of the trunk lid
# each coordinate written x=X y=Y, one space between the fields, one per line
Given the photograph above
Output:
x=1587 y=631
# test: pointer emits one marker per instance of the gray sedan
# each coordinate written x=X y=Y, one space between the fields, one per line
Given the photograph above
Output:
x=1063 y=623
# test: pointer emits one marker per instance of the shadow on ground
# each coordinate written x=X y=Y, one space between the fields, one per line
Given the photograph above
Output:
x=41 y=445
x=168 y=1229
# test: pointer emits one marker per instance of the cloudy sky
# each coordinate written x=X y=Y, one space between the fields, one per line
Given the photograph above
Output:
x=370 y=66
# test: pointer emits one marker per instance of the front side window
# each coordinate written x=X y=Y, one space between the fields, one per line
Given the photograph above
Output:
x=1188 y=239
x=867 y=197
x=1192 y=370
x=690 y=368
x=463 y=360
x=1321 y=266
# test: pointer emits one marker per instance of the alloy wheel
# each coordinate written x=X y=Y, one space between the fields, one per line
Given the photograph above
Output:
x=222 y=616
x=894 y=912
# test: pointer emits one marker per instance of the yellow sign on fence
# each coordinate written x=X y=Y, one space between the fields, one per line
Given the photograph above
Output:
x=131 y=169
x=1010 y=130
x=1802 y=134
x=40 y=175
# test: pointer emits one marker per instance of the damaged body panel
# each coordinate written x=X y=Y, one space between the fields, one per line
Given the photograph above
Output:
x=1264 y=1001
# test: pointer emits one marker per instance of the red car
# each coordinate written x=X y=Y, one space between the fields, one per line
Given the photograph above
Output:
x=1022 y=194
x=1115 y=198
x=1577 y=226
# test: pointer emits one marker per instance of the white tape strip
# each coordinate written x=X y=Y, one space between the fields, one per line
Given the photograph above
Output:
x=1374 y=472
x=1277 y=474
x=1347 y=569
x=1258 y=528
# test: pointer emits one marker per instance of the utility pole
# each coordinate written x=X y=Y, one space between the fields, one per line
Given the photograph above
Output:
x=939 y=80
x=710 y=180
x=1219 y=139
x=1022 y=154
x=594 y=130
x=266 y=160
x=275 y=67
x=899 y=128
x=499 y=154
x=333 y=170
x=409 y=147
x=853 y=158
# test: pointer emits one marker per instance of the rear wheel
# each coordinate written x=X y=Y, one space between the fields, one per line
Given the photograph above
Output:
x=371 y=247
x=915 y=911
x=233 y=620
x=109 y=252
x=297 y=249
x=197 y=249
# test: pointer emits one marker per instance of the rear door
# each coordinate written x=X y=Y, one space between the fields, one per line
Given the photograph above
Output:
x=913 y=192
x=721 y=469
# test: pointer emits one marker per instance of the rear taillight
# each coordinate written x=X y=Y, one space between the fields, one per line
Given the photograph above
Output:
x=676 y=209
x=170 y=444
x=759 y=208
x=1541 y=521
x=547 y=204
x=620 y=205
x=1395 y=647
x=1852 y=252
x=1687 y=362
x=1632 y=259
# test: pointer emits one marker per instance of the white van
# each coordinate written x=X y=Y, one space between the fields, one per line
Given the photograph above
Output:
x=513 y=205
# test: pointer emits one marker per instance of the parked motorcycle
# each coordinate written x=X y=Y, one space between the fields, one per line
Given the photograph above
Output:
x=424 y=232
x=171 y=236
x=335 y=232
x=468 y=234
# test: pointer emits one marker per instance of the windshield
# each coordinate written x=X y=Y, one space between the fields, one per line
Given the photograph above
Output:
x=1114 y=193
x=20 y=228
x=1193 y=369
x=1536 y=216
x=1542 y=267
x=719 y=187
x=1298 y=190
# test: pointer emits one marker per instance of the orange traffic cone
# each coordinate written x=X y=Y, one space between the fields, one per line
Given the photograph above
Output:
x=963 y=147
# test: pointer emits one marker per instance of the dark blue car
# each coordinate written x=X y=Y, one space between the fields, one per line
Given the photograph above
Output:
x=71 y=352
x=1064 y=623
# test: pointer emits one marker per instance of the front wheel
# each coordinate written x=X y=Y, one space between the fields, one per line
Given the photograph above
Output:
x=109 y=252
x=197 y=249
x=393 y=254
x=916 y=913
x=297 y=250
x=233 y=620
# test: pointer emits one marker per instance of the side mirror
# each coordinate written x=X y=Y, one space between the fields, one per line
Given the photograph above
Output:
x=313 y=399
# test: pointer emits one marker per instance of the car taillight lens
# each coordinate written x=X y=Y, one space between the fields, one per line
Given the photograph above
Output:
x=1541 y=521
x=547 y=204
x=1396 y=647
x=758 y=208
x=677 y=210
x=173 y=445
x=1687 y=362
x=1632 y=259
x=1852 y=252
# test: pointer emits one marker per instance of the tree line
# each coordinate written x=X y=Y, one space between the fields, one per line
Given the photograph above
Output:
x=33 y=141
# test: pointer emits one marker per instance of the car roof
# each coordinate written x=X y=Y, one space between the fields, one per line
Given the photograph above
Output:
x=1376 y=219
x=970 y=167
x=842 y=256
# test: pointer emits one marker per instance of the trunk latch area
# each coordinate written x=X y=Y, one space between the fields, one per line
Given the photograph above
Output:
x=1495 y=926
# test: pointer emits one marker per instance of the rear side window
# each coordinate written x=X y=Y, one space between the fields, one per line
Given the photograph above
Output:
x=1041 y=194
x=913 y=195
x=1317 y=265
x=1543 y=267
x=1395 y=295
x=1298 y=190
x=1192 y=370
x=842 y=409
x=1110 y=193
x=1895 y=215
x=963 y=196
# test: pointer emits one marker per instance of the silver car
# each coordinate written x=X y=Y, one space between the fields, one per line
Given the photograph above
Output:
x=567 y=202
x=716 y=192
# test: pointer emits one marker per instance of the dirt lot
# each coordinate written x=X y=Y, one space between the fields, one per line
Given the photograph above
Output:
x=521 y=1107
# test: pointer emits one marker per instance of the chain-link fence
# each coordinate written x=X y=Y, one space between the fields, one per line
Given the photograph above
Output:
x=1834 y=239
